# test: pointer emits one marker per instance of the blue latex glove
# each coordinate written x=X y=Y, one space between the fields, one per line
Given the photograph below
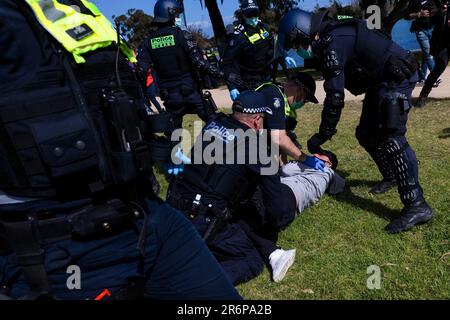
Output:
x=173 y=169
x=184 y=158
x=291 y=62
x=314 y=163
x=234 y=94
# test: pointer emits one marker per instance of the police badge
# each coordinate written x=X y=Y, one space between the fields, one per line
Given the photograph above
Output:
x=276 y=103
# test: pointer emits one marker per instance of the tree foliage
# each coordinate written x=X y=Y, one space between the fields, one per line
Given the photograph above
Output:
x=134 y=26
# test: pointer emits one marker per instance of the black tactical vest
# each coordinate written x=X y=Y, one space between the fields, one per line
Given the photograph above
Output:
x=371 y=54
x=258 y=54
x=58 y=134
x=170 y=61
x=229 y=182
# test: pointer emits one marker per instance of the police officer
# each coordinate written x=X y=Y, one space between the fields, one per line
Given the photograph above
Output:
x=210 y=194
x=366 y=61
x=250 y=51
x=212 y=55
x=175 y=57
x=282 y=118
x=74 y=197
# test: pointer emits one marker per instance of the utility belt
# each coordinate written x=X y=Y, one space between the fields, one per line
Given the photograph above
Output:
x=79 y=224
x=27 y=234
x=216 y=217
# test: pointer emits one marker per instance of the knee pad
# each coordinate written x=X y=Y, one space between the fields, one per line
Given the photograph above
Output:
x=397 y=155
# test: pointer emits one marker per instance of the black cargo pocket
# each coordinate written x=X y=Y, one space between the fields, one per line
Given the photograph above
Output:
x=65 y=143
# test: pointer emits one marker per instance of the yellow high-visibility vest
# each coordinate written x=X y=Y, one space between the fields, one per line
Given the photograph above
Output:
x=288 y=111
x=78 y=32
x=261 y=35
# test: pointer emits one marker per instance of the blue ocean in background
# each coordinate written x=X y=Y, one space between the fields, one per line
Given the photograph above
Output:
x=400 y=34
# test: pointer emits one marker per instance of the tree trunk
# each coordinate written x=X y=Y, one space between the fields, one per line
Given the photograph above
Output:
x=217 y=22
x=395 y=15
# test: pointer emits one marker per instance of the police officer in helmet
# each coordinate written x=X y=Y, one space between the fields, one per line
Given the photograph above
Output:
x=366 y=61
x=75 y=156
x=175 y=57
x=250 y=51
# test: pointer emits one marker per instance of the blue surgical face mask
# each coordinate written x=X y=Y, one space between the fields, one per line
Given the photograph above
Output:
x=178 y=22
x=305 y=53
x=253 y=22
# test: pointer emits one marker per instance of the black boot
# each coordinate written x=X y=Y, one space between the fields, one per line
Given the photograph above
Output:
x=412 y=215
x=416 y=210
x=421 y=102
x=383 y=186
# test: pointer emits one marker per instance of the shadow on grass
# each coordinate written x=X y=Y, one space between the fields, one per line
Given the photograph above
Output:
x=445 y=134
x=364 y=203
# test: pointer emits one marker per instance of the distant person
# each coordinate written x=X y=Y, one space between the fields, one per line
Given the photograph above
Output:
x=249 y=54
x=421 y=12
x=440 y=48
x=152 y=89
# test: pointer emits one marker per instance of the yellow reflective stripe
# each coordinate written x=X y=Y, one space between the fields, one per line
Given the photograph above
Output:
x=91 y=6
x=253 y=38
x=262 y=31
x=288 y=111
x=101 y=33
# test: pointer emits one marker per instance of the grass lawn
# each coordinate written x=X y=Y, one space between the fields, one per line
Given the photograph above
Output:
x=340 y=237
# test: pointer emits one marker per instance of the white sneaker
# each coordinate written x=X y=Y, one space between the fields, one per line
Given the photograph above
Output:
x=280 y=261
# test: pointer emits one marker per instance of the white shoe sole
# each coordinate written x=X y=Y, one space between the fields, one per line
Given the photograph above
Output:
x=289 y=262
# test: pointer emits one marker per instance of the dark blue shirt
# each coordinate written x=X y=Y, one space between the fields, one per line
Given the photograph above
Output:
x=275 y=119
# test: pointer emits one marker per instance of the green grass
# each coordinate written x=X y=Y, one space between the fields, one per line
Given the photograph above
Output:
x=340 y=237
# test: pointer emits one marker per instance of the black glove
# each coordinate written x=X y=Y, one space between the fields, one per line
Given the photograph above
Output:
x=235 y=80
x=315 y=142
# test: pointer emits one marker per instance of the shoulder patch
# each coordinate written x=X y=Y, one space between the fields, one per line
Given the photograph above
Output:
x=239 y=29
x=277 y=103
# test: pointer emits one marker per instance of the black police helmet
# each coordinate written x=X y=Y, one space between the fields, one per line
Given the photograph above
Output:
x=166 y=10
x=299 y=27
x=249 y=8
x=308 y=83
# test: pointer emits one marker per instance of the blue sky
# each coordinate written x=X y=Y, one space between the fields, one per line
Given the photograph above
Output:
x=194 y=13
